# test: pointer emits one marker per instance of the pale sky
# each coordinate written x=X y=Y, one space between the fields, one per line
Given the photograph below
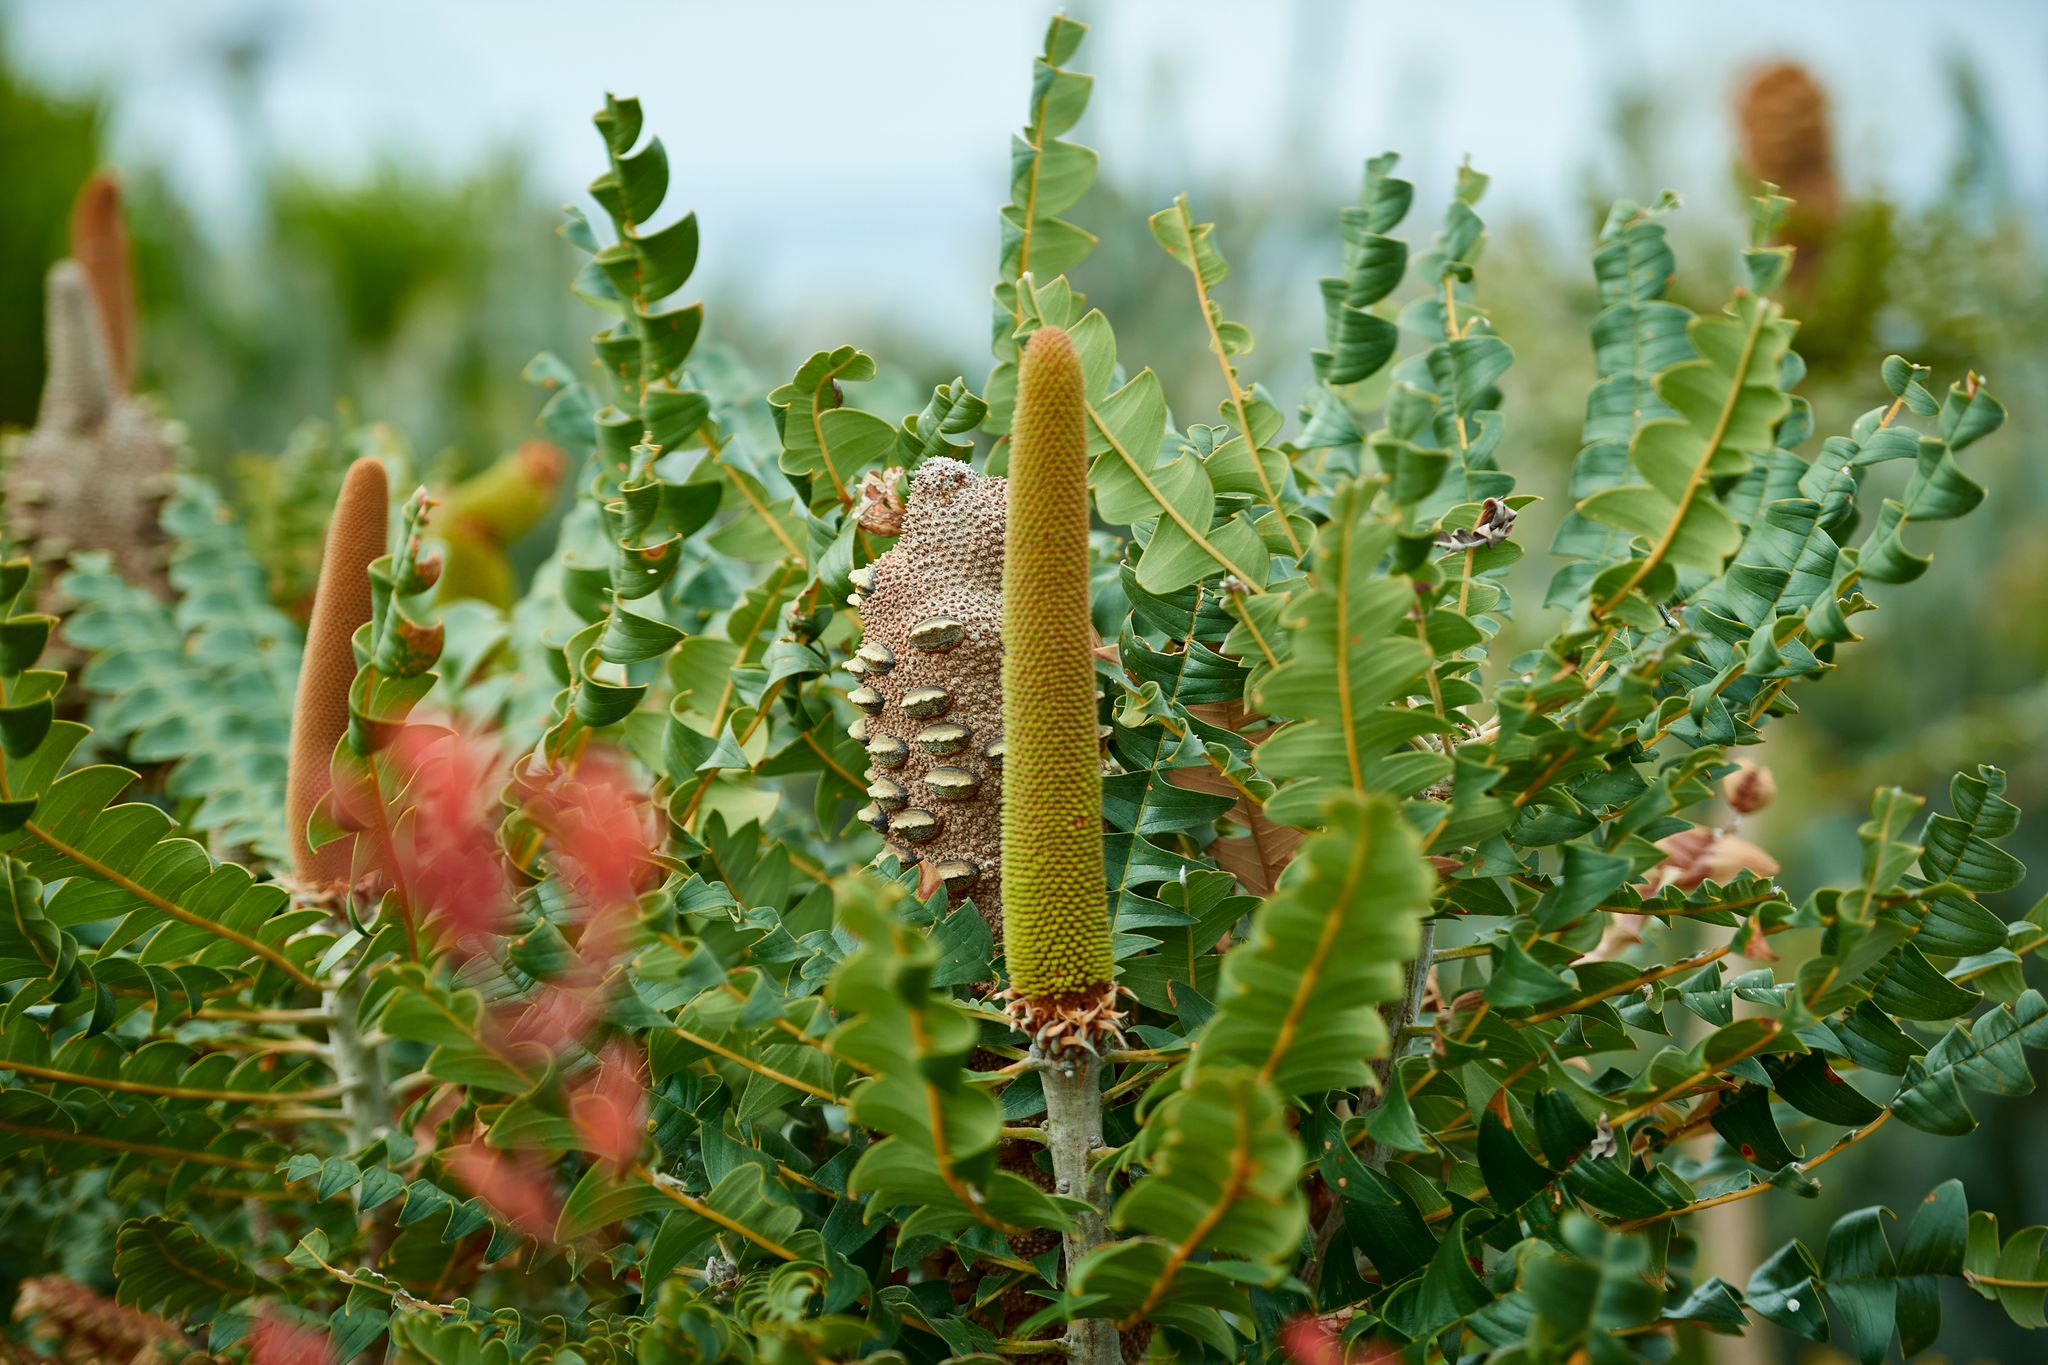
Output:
x=811 y=135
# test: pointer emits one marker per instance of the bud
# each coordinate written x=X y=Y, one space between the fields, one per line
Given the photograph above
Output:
x=1749 y=788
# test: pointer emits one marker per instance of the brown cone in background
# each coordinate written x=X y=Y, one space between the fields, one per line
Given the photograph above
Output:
x=355 y=538
x=1787 y=140
x=93 y=472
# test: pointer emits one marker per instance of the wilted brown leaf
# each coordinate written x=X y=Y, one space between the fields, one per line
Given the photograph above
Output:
x=1702 y=854
x=1257 y=857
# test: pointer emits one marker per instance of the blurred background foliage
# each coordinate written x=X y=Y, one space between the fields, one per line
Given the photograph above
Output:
x=394 y=311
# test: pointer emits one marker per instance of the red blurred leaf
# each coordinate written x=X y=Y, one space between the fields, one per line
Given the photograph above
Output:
x=610 y=1106
x=448 y=862
x=561 y=1014
x=1310 y=1341
x=518 y=1187
x=602 y=831
x=273 y=1341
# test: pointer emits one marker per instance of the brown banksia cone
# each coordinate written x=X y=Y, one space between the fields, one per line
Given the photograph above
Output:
x=1787 y=140
x=356 y=538
x=930 y=664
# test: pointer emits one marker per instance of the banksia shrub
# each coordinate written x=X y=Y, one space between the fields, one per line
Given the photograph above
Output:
x=930 y=664
x=1056 y=930
x=341 y=605
x=1385 y=997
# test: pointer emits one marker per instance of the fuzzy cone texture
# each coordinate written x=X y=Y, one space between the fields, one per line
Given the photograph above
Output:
x=355 y=539
x=1782 y=118
x=1786 y=137
x=1056 y=942
x=93 y=472
x=945 y=570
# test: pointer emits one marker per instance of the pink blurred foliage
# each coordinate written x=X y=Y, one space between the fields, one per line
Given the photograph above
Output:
x=609 y=1105
x=1315 y=1341
x=448 y=862
x=273 y=1341
x=558 y=1017
x=602 y=833
x=1309 y=1341
x=518 y=1186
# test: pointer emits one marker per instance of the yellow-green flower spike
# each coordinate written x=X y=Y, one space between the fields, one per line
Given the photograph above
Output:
x=355 y=538
x=483 y=515
x=1055 y=917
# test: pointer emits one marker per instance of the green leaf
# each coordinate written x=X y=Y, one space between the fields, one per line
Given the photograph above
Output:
x=744 y=1196
x=162 y=1265
x=1220 y=1180
x=1447 y=1292
x=1299 y=999
x=1862 y=1280
x=1958 y=847
x=1140 y=476
x=1726 y=406
x=1786 y=1290
x=1933 y=1249
x=1047 y=177
x=939 y=1129
x=1986 y=1055
x=1350 y=664
x=1357 y=342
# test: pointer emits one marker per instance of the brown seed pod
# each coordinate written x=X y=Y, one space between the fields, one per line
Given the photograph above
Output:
x=952 y=784
x=1749 y=788
x=914 y=825
x=932 y=605
x=936 y=633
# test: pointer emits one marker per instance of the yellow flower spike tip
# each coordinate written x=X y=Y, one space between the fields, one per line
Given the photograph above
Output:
x=355 y=538
x=484 y=514
x=1056 y=921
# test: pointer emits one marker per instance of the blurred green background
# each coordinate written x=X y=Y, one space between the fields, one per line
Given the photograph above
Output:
x=344 y=215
